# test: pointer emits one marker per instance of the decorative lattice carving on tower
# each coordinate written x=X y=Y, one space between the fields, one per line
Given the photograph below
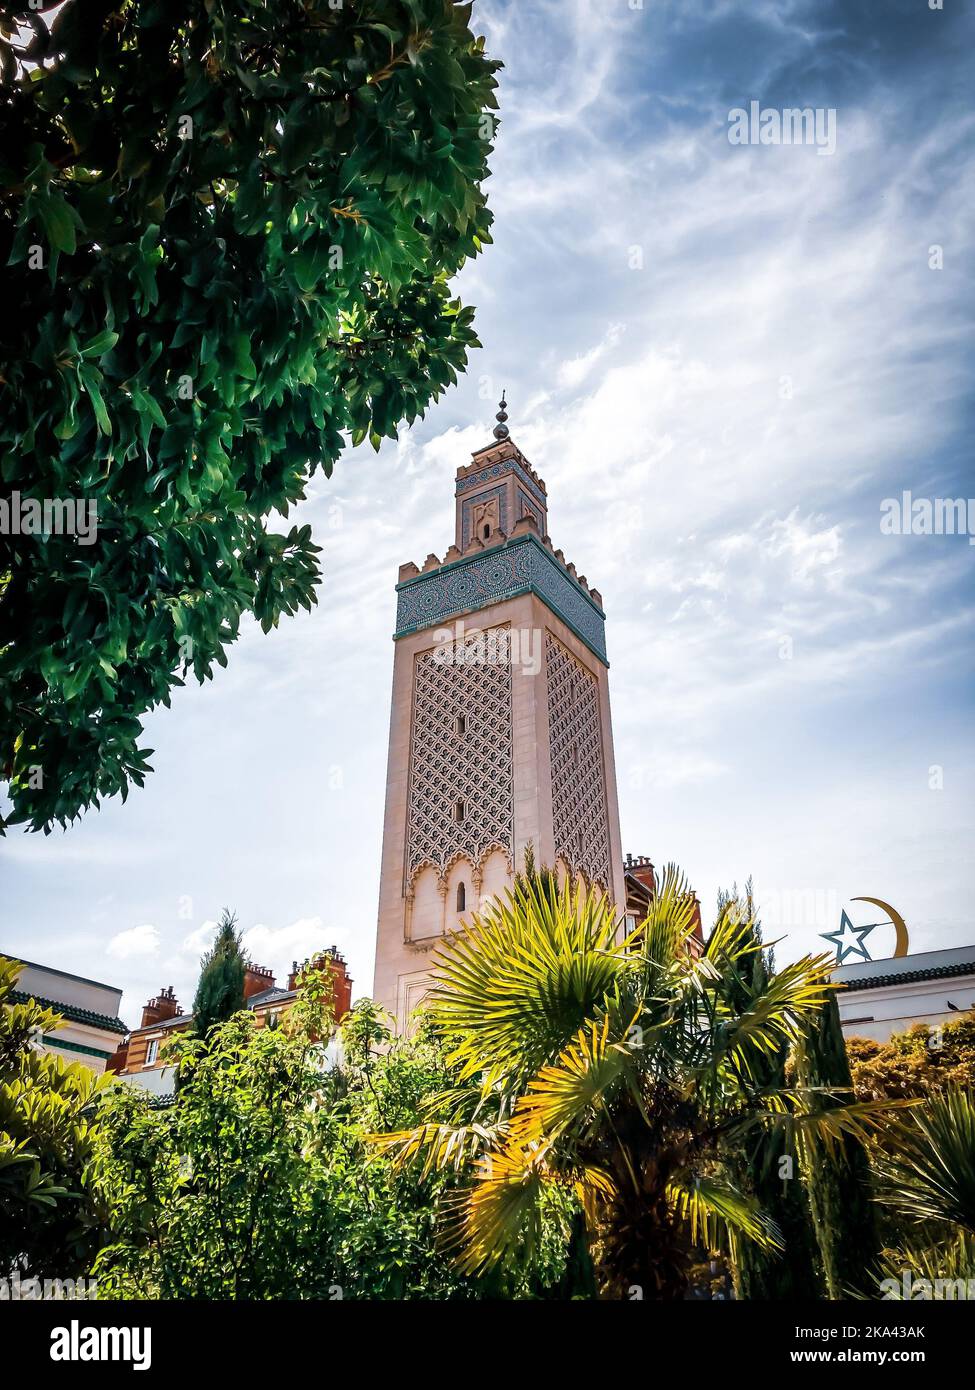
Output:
x=460 y=791
x=479 y=752
x=578 y=779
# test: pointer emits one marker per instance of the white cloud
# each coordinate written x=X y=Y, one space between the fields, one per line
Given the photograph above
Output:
x=199 y=940
x=136 y=941
x=574 y=371
x=278 y=947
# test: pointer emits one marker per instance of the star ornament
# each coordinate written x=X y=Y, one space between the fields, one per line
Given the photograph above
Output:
x=848 y=939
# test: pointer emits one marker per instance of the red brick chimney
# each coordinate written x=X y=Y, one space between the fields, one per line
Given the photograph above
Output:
x=640 y=867
x=257 y=978
x=165 y=1005
x=332 y=961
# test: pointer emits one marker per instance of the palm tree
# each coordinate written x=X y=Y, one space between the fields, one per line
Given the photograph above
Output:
x=926 y=1170
x=619 y=1068
x=928 y=1174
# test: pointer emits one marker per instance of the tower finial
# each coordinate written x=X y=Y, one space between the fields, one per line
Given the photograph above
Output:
x=501 y=429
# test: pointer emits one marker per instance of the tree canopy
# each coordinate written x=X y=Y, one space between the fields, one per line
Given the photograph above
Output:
x=258 y=1181
x=916 y=1062
x=452 y=1163
x=228 y=231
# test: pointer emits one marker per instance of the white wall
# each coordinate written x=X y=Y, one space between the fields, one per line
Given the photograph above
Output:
x=892 y=1008
x=70 y=989
x=84 y=1036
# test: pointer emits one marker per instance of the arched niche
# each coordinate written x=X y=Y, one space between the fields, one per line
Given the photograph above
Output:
x=495 y=878
x=426 y=918
x=460 y=876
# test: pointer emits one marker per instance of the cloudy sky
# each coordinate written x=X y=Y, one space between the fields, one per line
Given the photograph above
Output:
x=722 y=359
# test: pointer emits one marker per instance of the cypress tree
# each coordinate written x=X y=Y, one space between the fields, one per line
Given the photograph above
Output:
x=220 y=990
x=758 y=1168
x=839 y=1181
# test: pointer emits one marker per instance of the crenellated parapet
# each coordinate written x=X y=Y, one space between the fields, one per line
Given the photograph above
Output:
x=520 y=564
x=505 y=452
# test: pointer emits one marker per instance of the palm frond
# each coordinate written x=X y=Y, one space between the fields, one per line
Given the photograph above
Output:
x=438 y=1146
x=732 y=938
x=500 y=1216
x=564 y=1096
x=670 y=918
x=525 y=976
x=712 y=1209
x=809 y=1126
x=777 y=1016
x=948 y=1269
x=928 y=1174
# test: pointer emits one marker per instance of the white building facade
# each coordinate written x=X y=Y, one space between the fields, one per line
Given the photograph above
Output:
x=90 y=1029
x=881 y=997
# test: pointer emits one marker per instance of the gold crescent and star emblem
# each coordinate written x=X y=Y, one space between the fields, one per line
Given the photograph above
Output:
x=849 y=939
x=900 y=926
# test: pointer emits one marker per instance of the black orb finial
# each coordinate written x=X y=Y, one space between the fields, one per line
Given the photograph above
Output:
x=501 y=429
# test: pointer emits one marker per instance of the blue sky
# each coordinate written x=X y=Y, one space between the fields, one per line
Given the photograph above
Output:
x=721 y=359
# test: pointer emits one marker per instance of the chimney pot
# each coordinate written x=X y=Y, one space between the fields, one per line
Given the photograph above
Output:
x=162 y=1006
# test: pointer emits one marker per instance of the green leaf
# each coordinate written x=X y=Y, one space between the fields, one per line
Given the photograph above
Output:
x=58 y=222
x=102 y=342
x=91 y=380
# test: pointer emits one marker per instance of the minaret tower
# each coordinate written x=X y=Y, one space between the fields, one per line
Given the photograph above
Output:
x=500 y=733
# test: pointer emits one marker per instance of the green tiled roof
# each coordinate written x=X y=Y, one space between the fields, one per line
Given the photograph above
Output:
x=71 y=1012
x=910 y=977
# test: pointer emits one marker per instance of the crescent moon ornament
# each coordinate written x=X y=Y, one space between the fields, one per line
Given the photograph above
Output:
x=900 y=926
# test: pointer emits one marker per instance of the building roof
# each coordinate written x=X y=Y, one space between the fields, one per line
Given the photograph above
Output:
x=636 y=888
x=162 y=1023
x=909 y=977
x=270 y=996
x=65 y=974
x=72 y=1012
x=265 y=996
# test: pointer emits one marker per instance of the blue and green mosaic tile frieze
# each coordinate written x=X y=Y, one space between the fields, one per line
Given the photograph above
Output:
x=520 y=566
x=498 y=470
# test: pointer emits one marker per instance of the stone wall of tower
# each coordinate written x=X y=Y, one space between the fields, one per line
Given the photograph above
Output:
x=487 y=757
